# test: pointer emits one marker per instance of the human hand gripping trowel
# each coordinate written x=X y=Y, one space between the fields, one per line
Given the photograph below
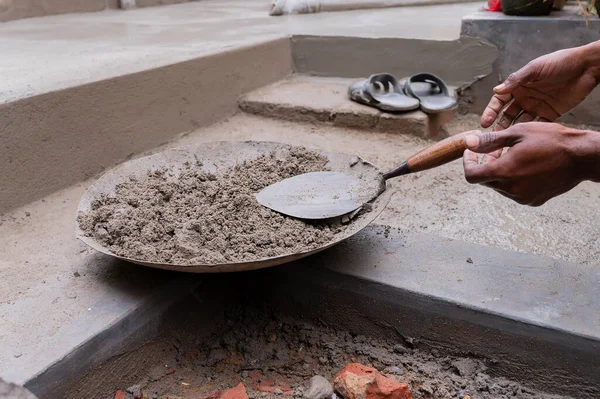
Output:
x=324 y=195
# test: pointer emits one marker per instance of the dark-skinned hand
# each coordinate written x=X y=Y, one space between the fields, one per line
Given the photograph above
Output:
x=545 y=88
x=543 y=160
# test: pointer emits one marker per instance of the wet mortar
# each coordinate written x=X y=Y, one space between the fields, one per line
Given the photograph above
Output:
x=196 y=217
x=274 y=356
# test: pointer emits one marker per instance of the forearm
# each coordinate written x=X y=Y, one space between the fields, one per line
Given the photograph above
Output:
x=590 y=149
x=588 y=155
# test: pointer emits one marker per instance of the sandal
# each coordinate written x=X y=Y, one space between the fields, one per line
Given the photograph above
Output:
x=437 y=100
x=421 y=88
x=382 y=91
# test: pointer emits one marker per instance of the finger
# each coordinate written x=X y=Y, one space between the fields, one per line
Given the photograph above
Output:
x=470 y=158
x=494 y=154
x=474 y=171
x=537 y=102
x=493 y=109
x=524 y=117
x=492 y=141
x=515 y=79
x=514 y=110
x=487 y=158
x=506 y=121
x=503 y=123
x=511 y=115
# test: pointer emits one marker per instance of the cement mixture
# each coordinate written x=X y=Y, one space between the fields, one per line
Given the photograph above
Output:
x=195 y=217
x=274 y=357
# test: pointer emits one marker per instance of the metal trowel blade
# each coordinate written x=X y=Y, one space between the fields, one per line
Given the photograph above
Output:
x=315 y=195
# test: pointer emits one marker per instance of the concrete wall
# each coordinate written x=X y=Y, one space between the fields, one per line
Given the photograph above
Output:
x=521 y=39
x=18 y=9
x=457 y=61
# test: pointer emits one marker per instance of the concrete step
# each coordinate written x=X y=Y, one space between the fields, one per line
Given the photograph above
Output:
x=325 y=100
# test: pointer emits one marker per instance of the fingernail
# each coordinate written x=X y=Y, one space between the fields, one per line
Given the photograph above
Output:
x=499 y=87
x=472 y=141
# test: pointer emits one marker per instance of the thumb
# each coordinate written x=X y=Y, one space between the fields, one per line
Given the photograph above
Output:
x=514 y=80
x=491 y=141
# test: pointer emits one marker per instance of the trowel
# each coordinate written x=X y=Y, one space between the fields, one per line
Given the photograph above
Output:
x=325 y=195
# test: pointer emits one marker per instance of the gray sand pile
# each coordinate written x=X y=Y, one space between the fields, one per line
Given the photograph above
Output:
x=195 y=217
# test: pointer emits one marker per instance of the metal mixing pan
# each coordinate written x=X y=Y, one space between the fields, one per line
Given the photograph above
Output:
x=217 y=156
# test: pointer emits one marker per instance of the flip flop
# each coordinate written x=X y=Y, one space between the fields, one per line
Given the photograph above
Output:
x=382 y=91
x=421 y=88
x=434 y=102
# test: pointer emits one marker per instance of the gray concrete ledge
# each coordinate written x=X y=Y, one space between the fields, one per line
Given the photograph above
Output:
x=540 y=291
x=55 y=333
x=531 y=319
x=137 y=317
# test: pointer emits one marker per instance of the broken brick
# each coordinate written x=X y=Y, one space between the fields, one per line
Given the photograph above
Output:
x=213 y=395
x=120 y=394
x=269 y=386
x=254 y=374
x=239 y=392
x=358 y=381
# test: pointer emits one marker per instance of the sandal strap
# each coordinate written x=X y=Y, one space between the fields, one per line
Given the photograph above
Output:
x=385 y=79
x=425 y=78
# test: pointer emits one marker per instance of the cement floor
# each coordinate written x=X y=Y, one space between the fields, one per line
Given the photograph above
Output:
x=40 y=55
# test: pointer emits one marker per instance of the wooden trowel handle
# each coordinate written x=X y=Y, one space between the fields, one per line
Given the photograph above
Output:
x=435 y=155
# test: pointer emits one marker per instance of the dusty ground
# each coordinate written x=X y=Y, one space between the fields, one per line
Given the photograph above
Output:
x=275 y=356
x=440 y=201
